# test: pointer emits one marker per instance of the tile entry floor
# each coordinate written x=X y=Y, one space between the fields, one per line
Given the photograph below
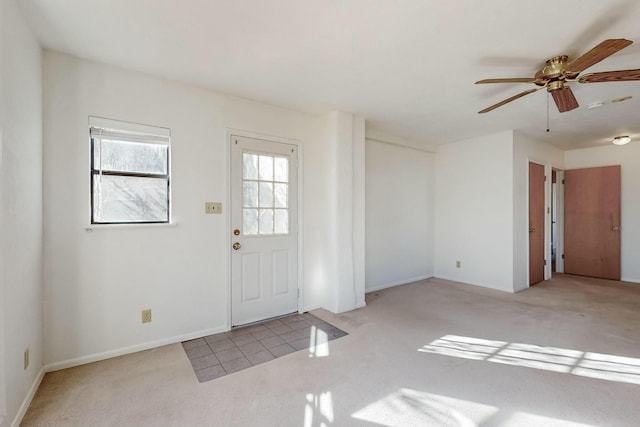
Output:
x=217 y=355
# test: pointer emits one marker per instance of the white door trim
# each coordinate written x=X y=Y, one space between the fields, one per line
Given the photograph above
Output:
x=231 y=132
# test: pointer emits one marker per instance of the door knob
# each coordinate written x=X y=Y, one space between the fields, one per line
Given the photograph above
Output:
x=531 y=230
x=236 y=246
x=615 y=228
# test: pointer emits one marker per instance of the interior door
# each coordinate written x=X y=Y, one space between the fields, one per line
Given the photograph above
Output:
x=264 y=229
x=592 y=222
x=536 y=223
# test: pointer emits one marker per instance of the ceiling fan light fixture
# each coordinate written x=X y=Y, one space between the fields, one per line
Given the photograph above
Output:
x=621 y=140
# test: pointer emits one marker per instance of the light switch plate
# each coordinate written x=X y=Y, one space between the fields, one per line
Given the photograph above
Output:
x=213 y=207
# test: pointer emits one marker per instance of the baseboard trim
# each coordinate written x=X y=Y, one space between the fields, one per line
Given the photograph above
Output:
x=56 y=366
x=479 y=285
x=398 y=283
x=630 y=280
x=315 y=307
x=28 y=398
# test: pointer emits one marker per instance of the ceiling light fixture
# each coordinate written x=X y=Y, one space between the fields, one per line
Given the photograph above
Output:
x=621 y=140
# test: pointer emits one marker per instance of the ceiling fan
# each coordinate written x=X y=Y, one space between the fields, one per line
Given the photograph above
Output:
x=559 y=71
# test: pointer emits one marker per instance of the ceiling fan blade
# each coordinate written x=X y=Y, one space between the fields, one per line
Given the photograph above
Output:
x=506 y=101
x=597 y=54
x=564 y=99
x=513 y=80
x=611 y=76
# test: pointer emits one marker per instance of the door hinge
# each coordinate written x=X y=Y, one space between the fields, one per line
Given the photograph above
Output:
x=562 y=256
x=545 y=178
x=563 y=181
x=545 y=262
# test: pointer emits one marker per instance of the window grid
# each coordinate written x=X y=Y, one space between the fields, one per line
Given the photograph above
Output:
x=265 y=198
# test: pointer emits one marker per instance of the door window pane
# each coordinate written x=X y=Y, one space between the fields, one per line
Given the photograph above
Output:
x=266 y=221
x=280 y=195
x=266 y=168
x=281 y=221
x=249 y=166
x=281 y=169
x=250 y=221
x=266 y=194
x=250 y=194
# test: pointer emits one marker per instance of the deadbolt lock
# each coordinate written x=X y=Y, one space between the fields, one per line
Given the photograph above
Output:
x=236 y=232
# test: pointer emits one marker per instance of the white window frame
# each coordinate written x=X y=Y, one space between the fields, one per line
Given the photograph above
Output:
x=127 y=132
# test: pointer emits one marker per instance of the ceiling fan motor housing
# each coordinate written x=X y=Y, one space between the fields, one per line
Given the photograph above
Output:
x=555 y=67
x=553 y=74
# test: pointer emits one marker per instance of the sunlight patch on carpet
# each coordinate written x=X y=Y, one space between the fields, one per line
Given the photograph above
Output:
x=407 y=407
x=587 y=364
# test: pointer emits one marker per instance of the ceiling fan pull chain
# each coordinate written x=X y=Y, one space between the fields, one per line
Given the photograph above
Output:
x=547 y=111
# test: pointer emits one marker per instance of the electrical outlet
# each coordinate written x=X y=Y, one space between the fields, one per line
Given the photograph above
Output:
x=212 y=207
x=458 y=264
x=146 y=315
x=26 y=359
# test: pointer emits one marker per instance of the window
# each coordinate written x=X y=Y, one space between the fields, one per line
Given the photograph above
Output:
x=265 y=187
x=130 y=175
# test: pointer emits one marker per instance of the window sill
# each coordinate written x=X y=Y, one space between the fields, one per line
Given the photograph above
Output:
x=90 y=227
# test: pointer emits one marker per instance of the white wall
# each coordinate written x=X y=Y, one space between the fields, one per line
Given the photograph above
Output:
x=628 y=157
x=21 y=212
x=359 y=209
x=96 y=283
x=399 y=213
x=474 y=211
x=346 y=141
x=527 y=150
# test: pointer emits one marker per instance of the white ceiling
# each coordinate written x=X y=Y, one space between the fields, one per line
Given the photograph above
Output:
x=407 y=66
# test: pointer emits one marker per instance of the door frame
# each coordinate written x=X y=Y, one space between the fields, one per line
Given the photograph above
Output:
x=559 y=220
x=547 y=216
x=231 y=132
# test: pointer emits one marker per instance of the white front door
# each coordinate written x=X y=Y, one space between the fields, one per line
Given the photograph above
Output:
x=264 y=229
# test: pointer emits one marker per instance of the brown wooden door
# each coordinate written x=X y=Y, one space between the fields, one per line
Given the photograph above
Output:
x=536 y=223
x=592 y=222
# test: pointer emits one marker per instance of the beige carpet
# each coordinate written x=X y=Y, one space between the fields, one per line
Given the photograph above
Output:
x=432 y=353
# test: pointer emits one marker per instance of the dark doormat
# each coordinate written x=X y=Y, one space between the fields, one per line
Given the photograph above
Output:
x=215 y=356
